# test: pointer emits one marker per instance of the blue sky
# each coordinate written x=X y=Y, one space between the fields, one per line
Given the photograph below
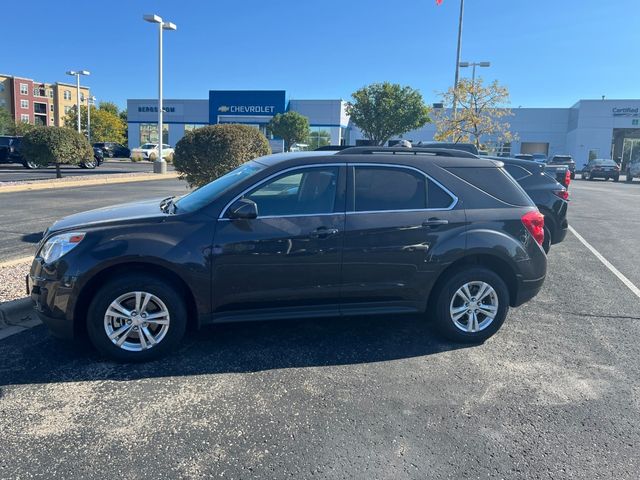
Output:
x=548 y=52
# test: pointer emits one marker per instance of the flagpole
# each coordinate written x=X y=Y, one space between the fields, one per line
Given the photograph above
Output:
x=457 y=75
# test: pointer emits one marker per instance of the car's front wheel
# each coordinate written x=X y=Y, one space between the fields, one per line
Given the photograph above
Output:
x=585 y=175
x=471 y=305
x=629 y=176
x=136 y=319
x=30 y=165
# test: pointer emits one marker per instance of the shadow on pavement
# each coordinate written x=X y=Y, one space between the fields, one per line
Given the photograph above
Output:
x=32 y=237
x=35 y=357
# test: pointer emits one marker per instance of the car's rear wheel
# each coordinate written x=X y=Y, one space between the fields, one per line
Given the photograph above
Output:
x=546 y=243
x=629 y=177
x=30 y=165
x=471 y=305
x=585 y=176
x=91 y=164
x=136 y=319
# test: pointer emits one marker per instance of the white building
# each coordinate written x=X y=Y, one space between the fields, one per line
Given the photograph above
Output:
x=590 y=128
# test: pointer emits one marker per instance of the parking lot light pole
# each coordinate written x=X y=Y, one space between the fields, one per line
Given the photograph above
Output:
x=474 y=65
x=160 y=165
x=77 y=74
x=90 y=101
x=458 y=50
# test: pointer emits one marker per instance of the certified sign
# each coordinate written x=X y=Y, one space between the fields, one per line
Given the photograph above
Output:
x=625 y=112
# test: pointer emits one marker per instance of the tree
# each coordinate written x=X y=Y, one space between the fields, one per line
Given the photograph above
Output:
x=7 y=125
x=291 y=127
x=384 y=110
x=56 y=145
x=207 y=153
x=478 y=115
x=106 y=126
x=109 y=107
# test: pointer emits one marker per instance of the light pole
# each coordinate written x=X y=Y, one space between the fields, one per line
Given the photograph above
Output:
x=160 y=165
x=474 y=65
x=90 y=101
x=457 y=75
x=77 y=74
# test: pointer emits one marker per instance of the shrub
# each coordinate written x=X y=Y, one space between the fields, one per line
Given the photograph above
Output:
x=56 y=146
x=209 y=152
x=136 y=157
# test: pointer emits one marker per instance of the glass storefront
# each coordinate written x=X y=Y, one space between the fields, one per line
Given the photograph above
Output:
x=149 y=133
x=318 y=137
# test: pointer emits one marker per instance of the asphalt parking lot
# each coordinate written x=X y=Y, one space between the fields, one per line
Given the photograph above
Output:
x=17 y=173
x=555 y=394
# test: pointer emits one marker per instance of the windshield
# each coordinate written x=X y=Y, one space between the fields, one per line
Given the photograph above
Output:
x=148 y=146
x=206 y=194
x=604 y=161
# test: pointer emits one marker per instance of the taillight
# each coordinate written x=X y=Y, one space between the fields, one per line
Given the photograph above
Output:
x=563 y=194
x=567 y=178
x=533 y=221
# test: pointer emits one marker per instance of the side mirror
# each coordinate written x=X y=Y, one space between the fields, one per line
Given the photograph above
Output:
x=243 y=209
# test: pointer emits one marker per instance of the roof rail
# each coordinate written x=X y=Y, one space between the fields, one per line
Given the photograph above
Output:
x=435 y=152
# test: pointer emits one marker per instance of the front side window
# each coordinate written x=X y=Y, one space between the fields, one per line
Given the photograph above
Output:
x=301 y=192
x=517 y=172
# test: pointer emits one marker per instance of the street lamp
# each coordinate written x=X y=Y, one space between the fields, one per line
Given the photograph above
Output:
x=458 y=50
x=160 y=165
x=90 y=101
x=77 y=74
x=474 y=65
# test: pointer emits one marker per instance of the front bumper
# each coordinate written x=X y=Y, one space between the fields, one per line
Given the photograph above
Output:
x=52 y=298
x=604 y=174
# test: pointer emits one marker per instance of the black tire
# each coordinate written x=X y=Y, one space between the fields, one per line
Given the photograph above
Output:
x=629 y=177
x=585 y=176
x=546 y=243
x=136 y=282
x=443 y=321
x=616 y=179
x=30 y=165
x=573 y=175
x=89 y=165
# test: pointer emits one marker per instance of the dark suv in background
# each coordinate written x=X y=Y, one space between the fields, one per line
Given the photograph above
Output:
x=565 y=160
x=113 y=149
x=311 y=234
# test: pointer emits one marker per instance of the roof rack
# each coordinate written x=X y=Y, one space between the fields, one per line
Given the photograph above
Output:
x=436 y=152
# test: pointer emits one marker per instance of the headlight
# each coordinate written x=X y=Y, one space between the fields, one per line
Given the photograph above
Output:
x=58 y=245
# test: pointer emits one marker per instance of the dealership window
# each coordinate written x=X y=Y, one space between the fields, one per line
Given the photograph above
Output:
x=67 y=94
x=149 y=133
x=24 y=103
x=188 y=127
x=318 y=137
x=24 y=89
x=24 y=118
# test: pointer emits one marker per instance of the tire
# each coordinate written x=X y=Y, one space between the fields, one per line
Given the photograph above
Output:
x=585 y=176
x=109 y=154
x=30 y=165
x=546 y=243
x=616 y=179
x=448 y=298
x=629 y=177
x=163 y=298
x=89 y=165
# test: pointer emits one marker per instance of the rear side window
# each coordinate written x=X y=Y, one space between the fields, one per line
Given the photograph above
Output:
x=495 y=182
x=390 y=188
x=518 y=173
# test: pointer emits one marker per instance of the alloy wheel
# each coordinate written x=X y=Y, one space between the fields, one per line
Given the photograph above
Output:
x=136 y=321
x=474 y=306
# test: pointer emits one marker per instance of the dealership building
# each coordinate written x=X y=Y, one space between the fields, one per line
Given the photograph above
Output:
x=588 y=129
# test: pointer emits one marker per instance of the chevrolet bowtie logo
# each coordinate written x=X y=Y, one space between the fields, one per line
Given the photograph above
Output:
x=223 y=108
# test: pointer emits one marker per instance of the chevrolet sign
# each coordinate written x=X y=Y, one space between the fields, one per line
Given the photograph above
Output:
x=259 y=109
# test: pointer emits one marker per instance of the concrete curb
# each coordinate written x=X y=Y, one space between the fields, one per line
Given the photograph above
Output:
x=126 y=178
x=16 y=316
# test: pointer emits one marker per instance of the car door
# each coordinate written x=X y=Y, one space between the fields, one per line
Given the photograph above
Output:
x=289 y=257
x=397 y=218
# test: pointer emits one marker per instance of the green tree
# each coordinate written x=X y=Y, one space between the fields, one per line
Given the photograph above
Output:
x=291 y=127
x=207 y=153
x=384 y=110
x=7 y=125
x=106 y=126
x=56 y=146
x=480 y=113
x=109 y=107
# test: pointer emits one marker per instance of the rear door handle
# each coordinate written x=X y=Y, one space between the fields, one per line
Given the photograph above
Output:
x=434 y=222
x=323 y=232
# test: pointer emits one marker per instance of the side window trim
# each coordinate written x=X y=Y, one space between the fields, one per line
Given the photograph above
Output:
x=351 y=189
x=223 y=214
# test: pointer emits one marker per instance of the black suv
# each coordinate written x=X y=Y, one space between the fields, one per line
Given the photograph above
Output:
x=551 y=197
x=113 y=149
x=10 y=151
x=310 y=234
x=566 y=160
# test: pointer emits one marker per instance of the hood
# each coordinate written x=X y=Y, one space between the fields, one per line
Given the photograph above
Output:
x=145 y=209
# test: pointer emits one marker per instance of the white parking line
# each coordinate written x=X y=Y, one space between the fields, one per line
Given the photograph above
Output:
x=606 y=263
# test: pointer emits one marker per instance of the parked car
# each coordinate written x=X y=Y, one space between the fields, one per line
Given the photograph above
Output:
x=98 y=158
x=560 y=173
x=539 y=157
x=550 y=196
x=566 y=160
x=601 y=168
x=113 y=149
x=310 y=234
x=633 y=169
x=149 y=151
x=10 y=151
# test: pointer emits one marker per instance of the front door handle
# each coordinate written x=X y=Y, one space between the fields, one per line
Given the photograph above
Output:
x=323 y=232
x=434 y=222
